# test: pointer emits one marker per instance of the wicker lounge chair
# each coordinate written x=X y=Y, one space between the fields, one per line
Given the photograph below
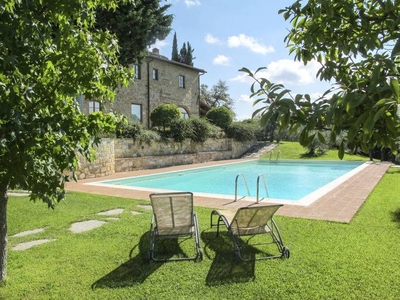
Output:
x=251 y=221
x=173 y=217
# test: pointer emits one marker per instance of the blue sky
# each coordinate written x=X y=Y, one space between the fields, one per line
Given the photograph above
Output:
x=227 y=35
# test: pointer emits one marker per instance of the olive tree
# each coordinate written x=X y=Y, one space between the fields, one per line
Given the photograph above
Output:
x=357 y=45
x=49 y=55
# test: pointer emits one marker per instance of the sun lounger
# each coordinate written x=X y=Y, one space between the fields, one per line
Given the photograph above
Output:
x=251 y=221
x=173 y=217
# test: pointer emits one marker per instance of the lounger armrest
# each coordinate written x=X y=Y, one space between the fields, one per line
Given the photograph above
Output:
x=221 y=218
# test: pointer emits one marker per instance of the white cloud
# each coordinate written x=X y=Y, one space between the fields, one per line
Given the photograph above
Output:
x=286 y=72
x=158 y=44
x=248 y=42
x=210 y=39
x=192 y=2
x=245 y=98
x=221 y=60
x=242 y=77
x=291 y=72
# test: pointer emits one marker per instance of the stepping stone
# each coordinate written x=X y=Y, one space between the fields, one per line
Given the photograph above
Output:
x=113 y=219
x=28 y=232
x=86 y=225
x=135 y=212
x=112 y=212
x=27 y=245
x=148 y=207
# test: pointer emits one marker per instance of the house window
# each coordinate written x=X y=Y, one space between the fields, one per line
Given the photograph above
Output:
x=155 y=74
x=181 y=81
x=185 y=114
x=94 y=106
x=136 y=112
x=136 y=69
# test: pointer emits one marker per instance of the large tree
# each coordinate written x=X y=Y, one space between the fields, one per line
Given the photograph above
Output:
x=218 y=95
x=357 y=44
x=49 y=55
x=137 y=25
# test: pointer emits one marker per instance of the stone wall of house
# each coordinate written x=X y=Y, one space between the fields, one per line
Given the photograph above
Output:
x=148 y=92
x=123 y=155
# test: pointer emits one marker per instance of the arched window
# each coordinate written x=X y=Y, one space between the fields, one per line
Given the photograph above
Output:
x=185 y=114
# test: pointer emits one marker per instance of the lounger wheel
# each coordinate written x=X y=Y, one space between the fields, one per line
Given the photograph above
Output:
x=285 y=252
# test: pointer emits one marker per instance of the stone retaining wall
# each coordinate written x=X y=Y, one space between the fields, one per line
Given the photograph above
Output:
x=104 y=164
x=123 y=155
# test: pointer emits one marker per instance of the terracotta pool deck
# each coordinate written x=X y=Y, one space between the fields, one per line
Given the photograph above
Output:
x=339 y=205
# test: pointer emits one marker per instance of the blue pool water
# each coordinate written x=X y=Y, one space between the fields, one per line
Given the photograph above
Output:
x=289 y=180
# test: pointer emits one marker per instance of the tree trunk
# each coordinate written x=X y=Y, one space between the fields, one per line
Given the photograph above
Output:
x=3 y=232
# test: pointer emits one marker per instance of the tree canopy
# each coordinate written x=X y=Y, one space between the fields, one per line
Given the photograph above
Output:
x=216 y=96
x=164 y=114
x=357 y=45
x=137 y=25
x=49 y=55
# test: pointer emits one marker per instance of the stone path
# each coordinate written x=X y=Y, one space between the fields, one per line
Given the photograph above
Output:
x=77 y=227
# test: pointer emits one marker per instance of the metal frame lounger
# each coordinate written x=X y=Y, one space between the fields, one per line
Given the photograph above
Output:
x=173 y=217
x=251 y=221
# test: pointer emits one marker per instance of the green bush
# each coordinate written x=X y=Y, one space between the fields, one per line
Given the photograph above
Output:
x=181 y=129
x=215 y=131
x=139 y=134
x=241 y=131
x=129 y=130
x=220 y=116
x=164 y=114
x=317 y=147
x=201 y=130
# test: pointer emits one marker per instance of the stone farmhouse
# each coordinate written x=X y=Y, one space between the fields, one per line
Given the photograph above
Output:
x=157 y=80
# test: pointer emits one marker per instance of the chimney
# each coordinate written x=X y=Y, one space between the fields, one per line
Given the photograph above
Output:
x=156 y=51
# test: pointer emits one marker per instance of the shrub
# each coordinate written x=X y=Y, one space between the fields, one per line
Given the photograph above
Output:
x=136 y=131
x=148 y=136
x=215 y=131
x=181 y=129
x=241 y=131
x=318 y=148
x=220 y=116
x=164 y=114
x=129 y=130
x=201 y=130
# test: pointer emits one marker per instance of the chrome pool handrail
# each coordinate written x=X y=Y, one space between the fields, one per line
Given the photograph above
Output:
x=236 y=185
x=261 y=176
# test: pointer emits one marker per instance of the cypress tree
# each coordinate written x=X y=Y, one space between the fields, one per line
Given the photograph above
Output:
x=183 y=54
x=189 y=55
x=175 y=55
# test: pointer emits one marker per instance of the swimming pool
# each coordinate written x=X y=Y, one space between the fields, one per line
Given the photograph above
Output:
x=294 y=182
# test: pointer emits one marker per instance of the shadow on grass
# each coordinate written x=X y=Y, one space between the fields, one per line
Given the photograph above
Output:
x=136 y=269
x=225 y=267
x=396 y=216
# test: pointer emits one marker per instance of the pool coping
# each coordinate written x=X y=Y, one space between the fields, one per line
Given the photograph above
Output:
x=339 y=205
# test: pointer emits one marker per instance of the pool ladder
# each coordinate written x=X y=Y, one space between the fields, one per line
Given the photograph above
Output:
x=259 y=178
x=271 y=155
x=240 y=175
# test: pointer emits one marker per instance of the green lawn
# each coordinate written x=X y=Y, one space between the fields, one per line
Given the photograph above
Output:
x=328 y=260
x=292 y=150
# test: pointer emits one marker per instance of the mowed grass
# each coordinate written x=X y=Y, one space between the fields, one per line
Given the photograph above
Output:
x=328 y=260
x=293 y=150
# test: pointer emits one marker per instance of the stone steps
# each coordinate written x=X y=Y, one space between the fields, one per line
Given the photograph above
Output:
x=257 y=151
